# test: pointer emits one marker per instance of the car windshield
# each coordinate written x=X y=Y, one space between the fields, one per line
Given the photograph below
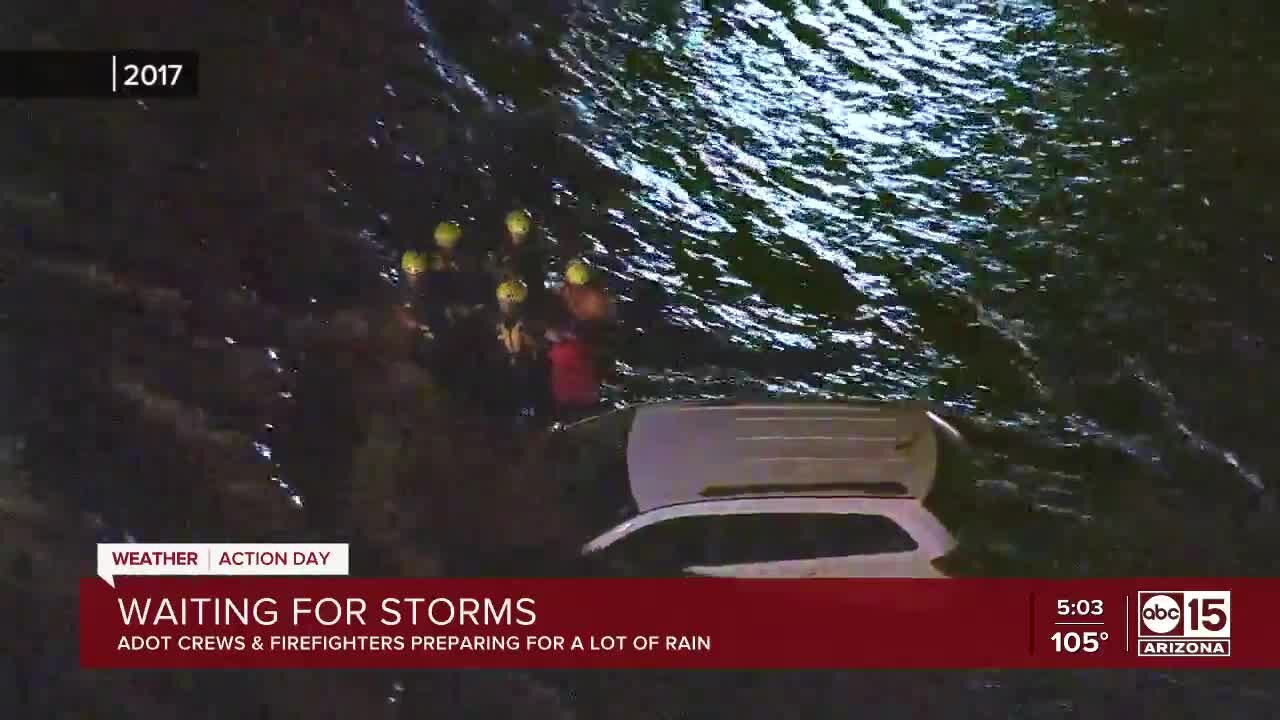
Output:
x=589 y=460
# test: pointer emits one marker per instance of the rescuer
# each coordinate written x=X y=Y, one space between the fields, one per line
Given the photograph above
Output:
x=519 y=347
x=414 y=265
x=445 y=258
x=593 y=314
x=456 y=289
x=584 y=297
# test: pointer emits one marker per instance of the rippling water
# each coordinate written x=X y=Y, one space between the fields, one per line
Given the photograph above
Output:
x=984 y=204
x=1053 y=219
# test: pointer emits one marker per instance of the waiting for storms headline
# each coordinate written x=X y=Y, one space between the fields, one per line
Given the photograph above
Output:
x=327 y=611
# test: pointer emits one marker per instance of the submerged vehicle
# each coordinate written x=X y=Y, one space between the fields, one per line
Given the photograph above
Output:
x=773 y=489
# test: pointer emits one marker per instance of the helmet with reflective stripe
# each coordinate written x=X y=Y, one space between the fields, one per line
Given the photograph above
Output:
x=448 y=234
x=513 y=291
x=518 y=222
x=577 y=273
x=413 y=263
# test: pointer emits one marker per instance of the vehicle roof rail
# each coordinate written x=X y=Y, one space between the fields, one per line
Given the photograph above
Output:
x=871 y=488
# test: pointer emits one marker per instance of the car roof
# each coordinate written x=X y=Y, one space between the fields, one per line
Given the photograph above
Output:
x=690 y=451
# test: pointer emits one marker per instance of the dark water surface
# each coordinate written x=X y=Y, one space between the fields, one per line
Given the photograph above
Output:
x=1054 y=220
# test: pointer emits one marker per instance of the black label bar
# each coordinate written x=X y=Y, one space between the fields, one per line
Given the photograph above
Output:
x=99 y=74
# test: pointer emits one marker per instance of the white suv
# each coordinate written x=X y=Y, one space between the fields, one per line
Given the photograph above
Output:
x=721 y=488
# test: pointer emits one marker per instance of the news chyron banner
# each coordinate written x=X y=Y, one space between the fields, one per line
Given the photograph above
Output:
x=264 y=606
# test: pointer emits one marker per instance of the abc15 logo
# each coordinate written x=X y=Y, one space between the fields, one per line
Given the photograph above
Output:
x=1200 y=614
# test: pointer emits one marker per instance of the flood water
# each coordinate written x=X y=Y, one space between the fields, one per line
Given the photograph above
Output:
x=1054 y=220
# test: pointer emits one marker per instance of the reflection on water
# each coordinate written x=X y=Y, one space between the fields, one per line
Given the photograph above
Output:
x=1052 y=219
x=921 y=200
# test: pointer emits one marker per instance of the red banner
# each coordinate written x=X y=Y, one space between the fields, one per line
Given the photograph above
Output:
x=271 y=622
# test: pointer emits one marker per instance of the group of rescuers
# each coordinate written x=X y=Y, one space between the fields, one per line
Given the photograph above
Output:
x=491 y=316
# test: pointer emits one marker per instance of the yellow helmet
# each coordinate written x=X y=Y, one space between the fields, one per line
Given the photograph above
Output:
x=448 y=234
x=518 y=222
x=413 y=262
x=577 y=273
x=513 y=291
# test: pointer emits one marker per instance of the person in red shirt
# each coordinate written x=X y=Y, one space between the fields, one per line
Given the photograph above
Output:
x=591 y=314
x=575 y=381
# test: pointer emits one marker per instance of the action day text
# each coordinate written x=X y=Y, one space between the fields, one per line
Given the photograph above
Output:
x=191 y=558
